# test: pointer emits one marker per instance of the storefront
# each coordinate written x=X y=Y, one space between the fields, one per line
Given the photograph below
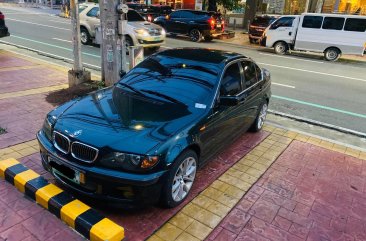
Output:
x=177 y=4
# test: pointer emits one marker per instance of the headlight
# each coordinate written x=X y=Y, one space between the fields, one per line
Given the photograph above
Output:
x=48 y=125
x=163 y=32
x=142 y=32
x=129 y=161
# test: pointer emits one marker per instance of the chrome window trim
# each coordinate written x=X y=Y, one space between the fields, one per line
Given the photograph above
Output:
x=55 y=144
x=91 y=147
x=222 y=75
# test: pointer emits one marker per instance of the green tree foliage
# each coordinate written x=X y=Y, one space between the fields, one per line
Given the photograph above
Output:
x=227 y=4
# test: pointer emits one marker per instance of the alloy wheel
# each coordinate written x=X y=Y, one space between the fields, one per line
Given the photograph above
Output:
x=83 y=37
x=332 y=54
x=262 y=116
x=183 y=179
x=195 y=35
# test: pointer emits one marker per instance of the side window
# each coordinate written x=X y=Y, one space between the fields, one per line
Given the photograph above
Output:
x=355 y=24
x=187 y=14
x=231 y=81
x=312 y=22
x=283 y=22
x=93 y=12
x=333 y=23
x=250 y=73
x=175 y=14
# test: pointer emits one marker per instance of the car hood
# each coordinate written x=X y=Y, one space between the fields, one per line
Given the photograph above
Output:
x=120 y=120
x=144 y=24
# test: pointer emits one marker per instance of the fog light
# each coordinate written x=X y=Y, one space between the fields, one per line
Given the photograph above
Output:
x=149 y=162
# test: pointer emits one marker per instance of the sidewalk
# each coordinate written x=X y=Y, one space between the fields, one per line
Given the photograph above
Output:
x=273 y=185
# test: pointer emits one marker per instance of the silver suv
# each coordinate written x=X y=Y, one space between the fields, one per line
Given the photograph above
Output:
x=138 y=32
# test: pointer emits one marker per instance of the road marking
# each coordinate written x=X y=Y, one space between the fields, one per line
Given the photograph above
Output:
x=320 y=106
x=52 y=45
x=43 y=25
x=45 y=54
x=285 y=57
x=63 y=40
x=57 y=21
x=314 y=72
x=283 y=85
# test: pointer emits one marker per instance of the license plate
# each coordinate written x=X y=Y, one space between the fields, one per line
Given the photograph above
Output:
x=218 y=25
x=77 y=177
x=156 y=38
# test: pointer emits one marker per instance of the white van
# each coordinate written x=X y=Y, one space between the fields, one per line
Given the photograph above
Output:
x=331 y=34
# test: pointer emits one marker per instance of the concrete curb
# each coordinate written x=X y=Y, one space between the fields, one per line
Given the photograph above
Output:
x=318 y=123
x=79 y=216
x=67 y=60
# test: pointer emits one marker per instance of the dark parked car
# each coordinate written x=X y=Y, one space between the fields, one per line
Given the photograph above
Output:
x=154 y=11
x=197 y=25
x=3 y=29
x=143 y=139
x=257 y=27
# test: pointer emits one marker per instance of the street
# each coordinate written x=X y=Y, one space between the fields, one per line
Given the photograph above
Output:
x=304 y=86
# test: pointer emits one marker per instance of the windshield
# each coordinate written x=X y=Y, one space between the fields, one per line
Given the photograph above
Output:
x=133 y=16
x=175 y=80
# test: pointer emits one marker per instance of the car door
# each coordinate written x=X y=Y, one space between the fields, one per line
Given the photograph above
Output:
x=92 y=19
x=252 y=93
x=284 y=29
x=225 y=122
x=172 y=21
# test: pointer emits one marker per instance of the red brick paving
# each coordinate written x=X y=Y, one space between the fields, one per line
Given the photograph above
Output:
x=309 y=193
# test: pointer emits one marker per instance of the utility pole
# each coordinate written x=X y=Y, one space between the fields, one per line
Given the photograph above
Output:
x=77 y=75
x=112 y=47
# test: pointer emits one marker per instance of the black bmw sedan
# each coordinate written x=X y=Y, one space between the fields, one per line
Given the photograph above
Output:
x=143 y=139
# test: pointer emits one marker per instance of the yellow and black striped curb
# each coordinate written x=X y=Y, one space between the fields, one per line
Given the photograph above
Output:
x=73 y=212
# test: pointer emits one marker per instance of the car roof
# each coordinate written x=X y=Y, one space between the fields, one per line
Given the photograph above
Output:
x=212 y=56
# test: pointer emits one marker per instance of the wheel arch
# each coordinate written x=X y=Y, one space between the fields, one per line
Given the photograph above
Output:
x=333 y=47
x=278 y=41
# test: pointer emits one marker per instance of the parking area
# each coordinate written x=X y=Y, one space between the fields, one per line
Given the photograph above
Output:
x=277 y=184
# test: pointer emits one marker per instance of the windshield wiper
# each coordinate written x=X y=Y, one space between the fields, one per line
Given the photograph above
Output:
x=131 y=88
x=171 y=99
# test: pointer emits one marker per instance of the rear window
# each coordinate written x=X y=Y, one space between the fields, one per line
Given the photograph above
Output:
x=355 y=24
x=312 y=22
x=133 y=16
x=333 y=23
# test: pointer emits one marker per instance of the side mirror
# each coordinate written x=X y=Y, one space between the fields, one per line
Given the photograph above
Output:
x=122 y=73
x=98 y=14
x=228 y=100
x=266 y=75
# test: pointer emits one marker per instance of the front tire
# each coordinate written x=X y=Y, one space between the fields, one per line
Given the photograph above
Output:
x=261 y=117
x=332 y=54
x=85 y=36
x=280 y=48
x=195 y=35
x=180 y=179
x=128 y=44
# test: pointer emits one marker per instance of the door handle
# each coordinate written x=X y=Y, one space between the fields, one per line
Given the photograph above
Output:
x=290 y=33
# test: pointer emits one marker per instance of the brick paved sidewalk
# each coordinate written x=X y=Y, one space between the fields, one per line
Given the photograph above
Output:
x=272 y=185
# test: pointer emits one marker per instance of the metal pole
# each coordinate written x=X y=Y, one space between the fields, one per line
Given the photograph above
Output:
x=122 y=41
x=75 y=21
x=307 y=6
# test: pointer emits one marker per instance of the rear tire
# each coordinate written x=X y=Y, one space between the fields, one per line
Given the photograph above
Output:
x=280 y=48
x=332 y=54
x=180 y=179
x=261 y=117
x=154 y=49
x=195 y=35
x=252 y=41
x=85 y=36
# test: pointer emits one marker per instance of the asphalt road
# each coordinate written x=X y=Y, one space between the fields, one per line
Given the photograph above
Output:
x=303 y=85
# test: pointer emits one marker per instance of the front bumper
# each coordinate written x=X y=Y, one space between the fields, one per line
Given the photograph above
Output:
x=150 y=41
x=117 y=187
x=4 y=32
